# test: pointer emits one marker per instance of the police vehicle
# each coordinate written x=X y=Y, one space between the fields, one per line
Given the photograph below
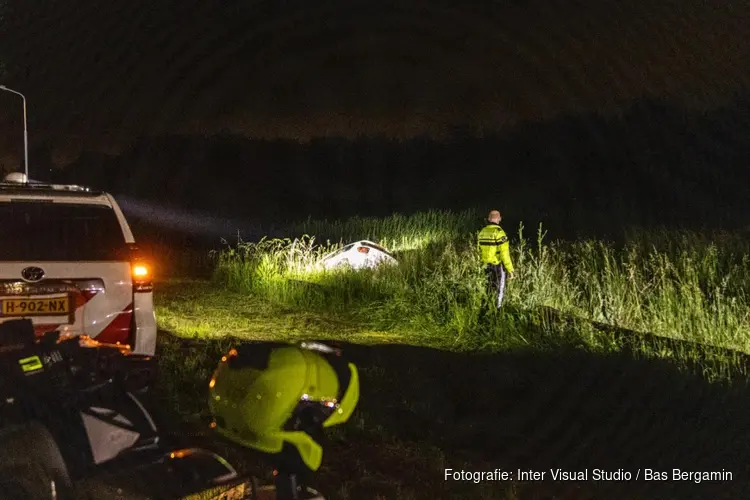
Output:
x=69 y=262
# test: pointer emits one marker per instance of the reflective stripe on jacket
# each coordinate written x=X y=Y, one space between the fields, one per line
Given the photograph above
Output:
x=493 y=243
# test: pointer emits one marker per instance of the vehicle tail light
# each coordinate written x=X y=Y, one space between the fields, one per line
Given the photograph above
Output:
x=142 y=281
x=140 y=272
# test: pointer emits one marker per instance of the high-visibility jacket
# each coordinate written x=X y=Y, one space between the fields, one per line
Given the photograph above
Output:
x=493 y=243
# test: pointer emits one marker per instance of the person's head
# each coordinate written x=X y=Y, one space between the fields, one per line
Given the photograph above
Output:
x=277 y=399
x=494 y=216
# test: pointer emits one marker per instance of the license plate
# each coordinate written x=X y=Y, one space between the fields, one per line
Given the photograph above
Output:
x=36 y=306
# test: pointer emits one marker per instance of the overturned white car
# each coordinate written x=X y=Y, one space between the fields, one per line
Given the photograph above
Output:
x=359 y=255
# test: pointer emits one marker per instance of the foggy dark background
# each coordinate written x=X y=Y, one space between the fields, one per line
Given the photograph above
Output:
x=654 y=166
x=588 y=116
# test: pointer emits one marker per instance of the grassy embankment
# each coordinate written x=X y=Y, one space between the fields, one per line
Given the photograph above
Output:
x=584 y=297
x=676 y=285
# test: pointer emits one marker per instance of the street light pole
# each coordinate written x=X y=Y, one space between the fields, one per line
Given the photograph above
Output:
x=25 y=131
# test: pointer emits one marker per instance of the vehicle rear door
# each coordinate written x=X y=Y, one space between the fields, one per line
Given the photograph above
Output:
x=66 y=266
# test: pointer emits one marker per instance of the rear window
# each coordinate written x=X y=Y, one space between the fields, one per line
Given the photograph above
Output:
x=42 y=231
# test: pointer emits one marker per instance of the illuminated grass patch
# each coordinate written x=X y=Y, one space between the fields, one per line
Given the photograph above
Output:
x=679 y=285
x=588 y=302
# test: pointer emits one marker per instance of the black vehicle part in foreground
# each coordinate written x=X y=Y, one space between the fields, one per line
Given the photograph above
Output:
x=73 y=425
x=70 y=413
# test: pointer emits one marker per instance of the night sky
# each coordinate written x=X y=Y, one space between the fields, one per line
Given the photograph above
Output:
x=98 y=74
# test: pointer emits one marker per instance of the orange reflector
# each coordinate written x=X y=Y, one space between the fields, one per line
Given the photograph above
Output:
x=212 y=383
x=363 y=250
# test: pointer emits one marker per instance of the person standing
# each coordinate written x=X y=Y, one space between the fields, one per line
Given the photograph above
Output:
x=495 y=249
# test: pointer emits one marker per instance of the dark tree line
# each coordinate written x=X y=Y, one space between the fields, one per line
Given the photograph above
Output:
x=653 y=165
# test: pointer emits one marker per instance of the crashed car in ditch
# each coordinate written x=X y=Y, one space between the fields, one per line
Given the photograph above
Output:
x=361 y=254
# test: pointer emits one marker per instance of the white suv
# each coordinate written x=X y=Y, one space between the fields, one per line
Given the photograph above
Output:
x=68 y=262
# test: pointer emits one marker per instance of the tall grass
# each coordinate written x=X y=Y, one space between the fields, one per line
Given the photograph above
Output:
x=681 y=284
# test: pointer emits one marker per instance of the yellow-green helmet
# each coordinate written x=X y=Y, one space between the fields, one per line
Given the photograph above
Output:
x=270 y=396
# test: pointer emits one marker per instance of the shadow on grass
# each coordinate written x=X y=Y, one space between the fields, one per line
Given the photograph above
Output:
x=566 y=409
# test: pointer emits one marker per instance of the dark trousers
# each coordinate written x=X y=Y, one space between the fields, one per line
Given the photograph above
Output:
x=495 y=283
